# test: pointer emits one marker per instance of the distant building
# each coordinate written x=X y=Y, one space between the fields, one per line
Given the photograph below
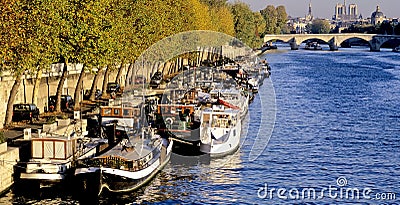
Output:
x=299 y=24
x=342 y=14
x=309 y=16
x=377 y=16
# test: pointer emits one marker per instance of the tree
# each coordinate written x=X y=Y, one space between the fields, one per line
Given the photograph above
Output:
x=26 y=41
x=385 y=28
x=397 y=29
x=222 y=20
x=10 y=40
x=271 y=19
x=244 y=22
x=214 y=3
x=84 y=38
x=281 y=20
x=45 y=40
x=320 y=26
x=259 y=23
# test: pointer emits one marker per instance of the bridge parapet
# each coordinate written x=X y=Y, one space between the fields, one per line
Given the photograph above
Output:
x=334 y=40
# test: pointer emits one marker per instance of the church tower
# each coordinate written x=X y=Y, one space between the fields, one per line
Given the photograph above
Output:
x=344 y=5
x=309 y=16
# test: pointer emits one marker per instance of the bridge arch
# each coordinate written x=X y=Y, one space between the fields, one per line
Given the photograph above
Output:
x=312 y=38
x=392 y=42
x=364 y=39
x=285 y=39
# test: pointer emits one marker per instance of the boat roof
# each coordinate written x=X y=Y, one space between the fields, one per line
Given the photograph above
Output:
x=225 y=91
x=176 y=105
x=220 y=110
x=140 y=149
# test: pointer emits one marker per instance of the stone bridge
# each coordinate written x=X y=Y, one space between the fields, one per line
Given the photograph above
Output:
x=333 y=40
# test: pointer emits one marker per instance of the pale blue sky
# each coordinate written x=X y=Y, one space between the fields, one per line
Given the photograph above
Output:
x=326 y=8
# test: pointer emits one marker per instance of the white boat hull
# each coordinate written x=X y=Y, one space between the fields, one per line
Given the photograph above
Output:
x=216 y=148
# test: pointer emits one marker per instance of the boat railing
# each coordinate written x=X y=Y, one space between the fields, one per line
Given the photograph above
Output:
x=118 y=162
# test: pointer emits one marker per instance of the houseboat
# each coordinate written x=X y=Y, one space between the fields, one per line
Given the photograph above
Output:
x=53 y=157
x=126 y=167
x=178 y=122
x=220 y=130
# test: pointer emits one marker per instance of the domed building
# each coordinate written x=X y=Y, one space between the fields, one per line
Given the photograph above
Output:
x=377 y=17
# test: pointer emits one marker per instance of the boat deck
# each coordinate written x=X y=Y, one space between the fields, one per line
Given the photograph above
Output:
x=134 y=149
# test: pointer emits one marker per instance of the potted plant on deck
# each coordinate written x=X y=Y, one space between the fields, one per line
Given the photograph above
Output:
x=63 y=121
x=50 y=125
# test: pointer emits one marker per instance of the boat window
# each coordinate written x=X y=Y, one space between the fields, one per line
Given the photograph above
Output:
x=165 y=110
x=136 y=112
x=127 y=112
x=116 y=111
x=107 y=111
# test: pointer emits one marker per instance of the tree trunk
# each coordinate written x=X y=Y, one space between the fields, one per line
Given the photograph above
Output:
x=163 y=69
x=11 y=100
x=214 y=54
x=60 y=87
x=129 y=73
x=154 y=69
x=171 y=66
x=182 y=62
x=78 y=89
x=209 y=50
x=119 y=74
x=200 y=56
x=36 y=86
x=105 y=82
x=94 y=84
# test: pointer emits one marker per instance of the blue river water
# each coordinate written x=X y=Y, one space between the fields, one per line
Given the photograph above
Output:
x=337 y=130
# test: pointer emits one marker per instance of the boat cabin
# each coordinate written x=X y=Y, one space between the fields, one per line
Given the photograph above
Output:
x=173 y=110
x=219 y=117
x=55 y=148
x=124 y=115
x=175 y=117
x=225 y=94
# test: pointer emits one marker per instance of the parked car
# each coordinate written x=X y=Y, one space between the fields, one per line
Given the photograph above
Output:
x=113 y=88
x=67 y=102
x=156 y=79
x=97 y=94
x=25 y=112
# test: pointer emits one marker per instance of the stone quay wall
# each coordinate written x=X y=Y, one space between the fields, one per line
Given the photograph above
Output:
x=48 y=86
x=8 y=158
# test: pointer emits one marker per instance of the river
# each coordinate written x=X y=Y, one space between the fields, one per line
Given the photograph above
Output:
x=336 y=135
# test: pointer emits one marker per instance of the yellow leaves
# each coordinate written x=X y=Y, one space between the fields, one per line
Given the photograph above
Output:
x=100 y=31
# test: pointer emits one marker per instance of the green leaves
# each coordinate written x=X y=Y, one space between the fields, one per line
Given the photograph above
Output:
x=275 y=19
x=100 y=32
x=245 y=24
x=320 y=26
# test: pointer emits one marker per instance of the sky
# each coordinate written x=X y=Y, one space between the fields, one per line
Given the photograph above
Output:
x=326 y=8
